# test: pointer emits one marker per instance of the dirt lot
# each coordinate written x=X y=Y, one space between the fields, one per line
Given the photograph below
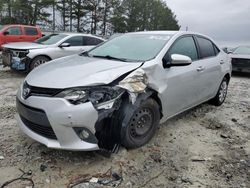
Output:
x=205 y=147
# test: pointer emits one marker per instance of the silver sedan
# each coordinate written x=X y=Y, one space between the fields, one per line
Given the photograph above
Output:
x=25 y=56
x=119 y=92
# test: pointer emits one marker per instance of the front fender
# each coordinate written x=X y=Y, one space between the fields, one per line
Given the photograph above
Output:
x=37 y=52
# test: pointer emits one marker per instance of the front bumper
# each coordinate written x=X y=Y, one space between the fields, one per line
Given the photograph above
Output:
x=15 y=62
x=62 y=117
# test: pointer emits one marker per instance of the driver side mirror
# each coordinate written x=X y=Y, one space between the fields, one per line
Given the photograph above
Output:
x=64 y=45
x=6 y=33
x=177 y=60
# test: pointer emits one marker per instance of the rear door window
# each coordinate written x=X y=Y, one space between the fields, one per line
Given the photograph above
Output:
x=207 y=48
x=30 y=31
x=184 y=46
x=14 y=31
x=75 y=41
x=91 y=41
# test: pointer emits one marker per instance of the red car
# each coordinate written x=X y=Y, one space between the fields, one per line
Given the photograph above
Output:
x=19 y=33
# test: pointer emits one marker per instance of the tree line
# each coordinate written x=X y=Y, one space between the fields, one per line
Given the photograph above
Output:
x=91 y=16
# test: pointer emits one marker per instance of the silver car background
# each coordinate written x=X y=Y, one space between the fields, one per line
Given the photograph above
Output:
x=25 y=56
x=119 y=92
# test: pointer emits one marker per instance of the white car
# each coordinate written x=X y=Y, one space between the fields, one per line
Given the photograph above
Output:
x=118 y=92
x=25 y=56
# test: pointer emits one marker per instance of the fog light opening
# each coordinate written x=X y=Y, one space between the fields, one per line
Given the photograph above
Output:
x=84 y=135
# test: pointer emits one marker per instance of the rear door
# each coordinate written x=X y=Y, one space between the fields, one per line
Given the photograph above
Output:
x=209 y=68
x=31 y=34
x=90 y=42
x=14 y=34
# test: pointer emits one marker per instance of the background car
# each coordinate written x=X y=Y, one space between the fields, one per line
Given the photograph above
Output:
x=117 y=93
x=26 y=56
x=241 y=59
x=19 y=33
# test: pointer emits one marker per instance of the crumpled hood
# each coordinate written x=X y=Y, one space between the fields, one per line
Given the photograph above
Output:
x=74 y=71
x=24 y=45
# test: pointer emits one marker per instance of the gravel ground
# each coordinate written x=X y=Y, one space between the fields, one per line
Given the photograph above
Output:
x=205 y=147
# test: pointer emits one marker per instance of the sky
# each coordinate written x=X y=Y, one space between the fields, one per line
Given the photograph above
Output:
x=225 y=21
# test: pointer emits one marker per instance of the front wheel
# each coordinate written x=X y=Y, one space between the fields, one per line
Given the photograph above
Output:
x=221 y=94
x=142 y=125
x=38 y=61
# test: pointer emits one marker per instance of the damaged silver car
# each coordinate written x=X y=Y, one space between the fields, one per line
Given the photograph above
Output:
x=119 y=92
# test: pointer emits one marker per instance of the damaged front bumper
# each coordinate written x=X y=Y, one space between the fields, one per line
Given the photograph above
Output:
x=55 y=122
x=16 y=59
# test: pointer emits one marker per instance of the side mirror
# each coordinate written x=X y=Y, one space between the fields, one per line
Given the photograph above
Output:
x=63 y=45
x=6 y=33
x=180 y=60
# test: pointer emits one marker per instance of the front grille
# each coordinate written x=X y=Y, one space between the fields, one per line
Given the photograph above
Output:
x=39 y=129
x=239 y=62
x=39 y=91
x=36 y=120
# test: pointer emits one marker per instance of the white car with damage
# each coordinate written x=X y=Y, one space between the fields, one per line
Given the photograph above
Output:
x=25 y=56
x=119 y=92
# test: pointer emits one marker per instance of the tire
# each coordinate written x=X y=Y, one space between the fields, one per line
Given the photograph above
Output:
x=142 y=125
x=220 y=97
x=38 y=61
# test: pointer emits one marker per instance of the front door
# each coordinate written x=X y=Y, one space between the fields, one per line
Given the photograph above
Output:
x=14 y=34
x=76 y=47
x=182 y=81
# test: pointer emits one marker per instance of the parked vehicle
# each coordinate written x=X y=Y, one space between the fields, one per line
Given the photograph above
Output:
x=241 y=59
x=25 y=56
x=118 y=92
x=18 y=33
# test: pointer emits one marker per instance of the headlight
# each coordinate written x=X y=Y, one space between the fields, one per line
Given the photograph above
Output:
x=96 y=95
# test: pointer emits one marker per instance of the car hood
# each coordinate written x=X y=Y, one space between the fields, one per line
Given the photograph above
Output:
x=76 y=70
x=24 y=45
x=240 y=56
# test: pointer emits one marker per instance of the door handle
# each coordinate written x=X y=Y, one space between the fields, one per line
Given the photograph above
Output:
x=200 y=69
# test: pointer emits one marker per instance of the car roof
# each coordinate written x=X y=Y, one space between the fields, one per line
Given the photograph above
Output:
x=168 y=32
x=155 y=32
x=76 y=34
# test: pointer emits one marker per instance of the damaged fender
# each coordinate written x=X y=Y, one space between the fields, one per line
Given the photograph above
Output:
x=135 y=83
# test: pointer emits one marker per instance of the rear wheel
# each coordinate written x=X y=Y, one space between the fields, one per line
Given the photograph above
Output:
x=221 y=94
x=142 y=125
x=38 y=61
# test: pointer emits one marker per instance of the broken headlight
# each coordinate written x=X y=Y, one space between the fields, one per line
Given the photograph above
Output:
x=96 y=95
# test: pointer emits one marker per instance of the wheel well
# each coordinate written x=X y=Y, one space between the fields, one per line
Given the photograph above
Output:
x=41 y=56
x=227 y=76
x=158 y=100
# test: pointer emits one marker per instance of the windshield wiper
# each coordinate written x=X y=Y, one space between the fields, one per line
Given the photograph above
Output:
x=111 y=58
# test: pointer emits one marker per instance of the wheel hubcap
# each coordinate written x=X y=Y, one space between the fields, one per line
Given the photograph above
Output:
x=39 y=62
x=223 y=91
x=141 y=123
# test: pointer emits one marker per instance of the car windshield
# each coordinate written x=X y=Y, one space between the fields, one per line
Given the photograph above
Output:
x=242 y=50
x=132 y=47
x=51 y=39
